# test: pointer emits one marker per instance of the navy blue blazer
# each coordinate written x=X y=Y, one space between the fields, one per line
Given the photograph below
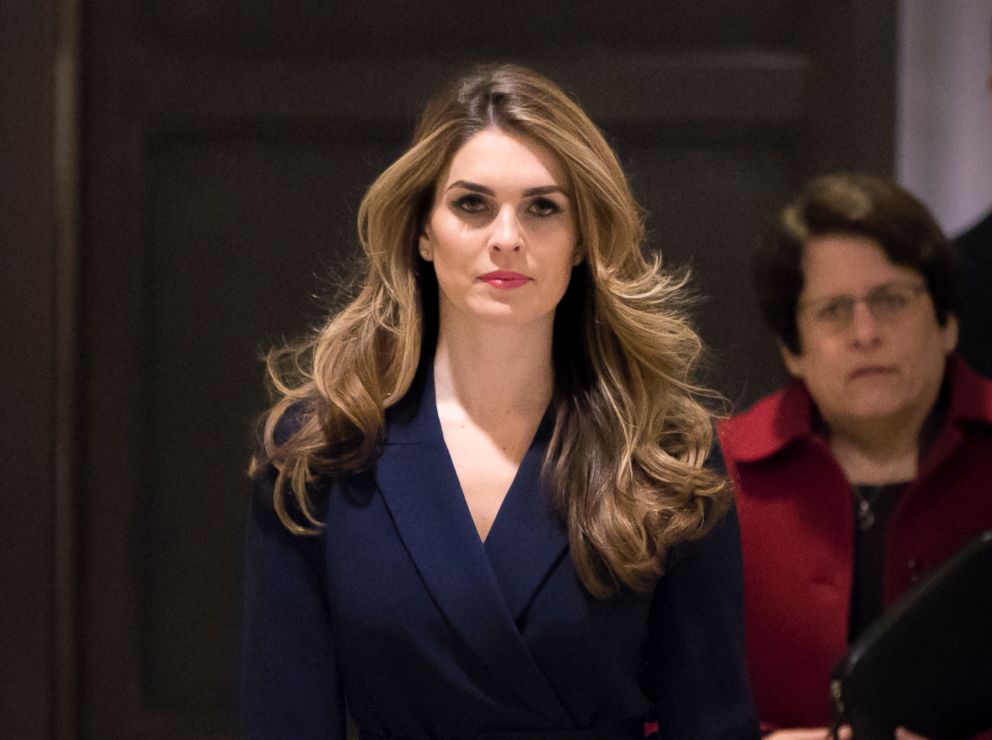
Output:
x=399 y=610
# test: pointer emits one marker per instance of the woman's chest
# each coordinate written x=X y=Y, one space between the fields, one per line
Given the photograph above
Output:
x=410 y=583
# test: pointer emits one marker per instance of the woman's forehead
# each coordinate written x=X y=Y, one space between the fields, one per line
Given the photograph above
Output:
x=844 y=263
x=494 y=156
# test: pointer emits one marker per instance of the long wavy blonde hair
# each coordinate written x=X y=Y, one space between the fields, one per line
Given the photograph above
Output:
x=625 y=462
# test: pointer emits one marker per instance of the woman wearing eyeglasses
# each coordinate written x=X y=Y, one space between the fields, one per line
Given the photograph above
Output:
x=872 y=466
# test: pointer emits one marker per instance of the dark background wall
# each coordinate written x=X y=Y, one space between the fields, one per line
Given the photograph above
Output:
x=178 y=181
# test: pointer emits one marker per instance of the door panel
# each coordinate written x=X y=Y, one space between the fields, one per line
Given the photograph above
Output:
x=226 y=146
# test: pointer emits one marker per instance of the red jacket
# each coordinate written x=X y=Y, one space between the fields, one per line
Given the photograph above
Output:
x=797 y=531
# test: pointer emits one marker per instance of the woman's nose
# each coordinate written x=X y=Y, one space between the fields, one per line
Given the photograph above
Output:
x=864 y=324
x=506 y=234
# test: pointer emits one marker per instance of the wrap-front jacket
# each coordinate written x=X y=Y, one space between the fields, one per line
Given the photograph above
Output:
x=399 y=610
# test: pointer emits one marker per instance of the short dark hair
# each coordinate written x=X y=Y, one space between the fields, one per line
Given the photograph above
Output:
x=856 y=205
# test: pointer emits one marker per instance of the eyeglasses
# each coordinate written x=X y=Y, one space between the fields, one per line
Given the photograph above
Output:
x=888 y=303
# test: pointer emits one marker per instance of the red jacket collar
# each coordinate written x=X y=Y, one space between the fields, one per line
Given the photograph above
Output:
x=787 y=415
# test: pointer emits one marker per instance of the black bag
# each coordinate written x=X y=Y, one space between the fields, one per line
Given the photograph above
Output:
x=926 y=664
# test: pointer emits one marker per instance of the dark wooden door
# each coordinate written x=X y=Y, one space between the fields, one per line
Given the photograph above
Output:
x=225 y=145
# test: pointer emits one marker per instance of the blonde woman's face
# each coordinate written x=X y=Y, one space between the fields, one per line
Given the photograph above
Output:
x=501 y=234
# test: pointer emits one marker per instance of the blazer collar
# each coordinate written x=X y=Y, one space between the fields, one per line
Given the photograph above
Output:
x=528 y=538
x=769 y=426
x=480 y=589
x=971 y=394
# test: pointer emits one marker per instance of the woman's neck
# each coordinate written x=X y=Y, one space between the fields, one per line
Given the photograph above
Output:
x=877 y=454
x=885 y=449
x=494 y=371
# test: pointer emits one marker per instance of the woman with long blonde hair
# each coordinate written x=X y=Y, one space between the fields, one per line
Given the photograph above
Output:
x=481 y=507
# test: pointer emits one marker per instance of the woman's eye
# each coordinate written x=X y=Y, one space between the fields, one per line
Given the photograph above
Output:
x=544 y=207
x=893 y=301
x=832 y=311
x=470 y=204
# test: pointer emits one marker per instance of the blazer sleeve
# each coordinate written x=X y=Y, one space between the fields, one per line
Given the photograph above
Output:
x=290 y=684
x=696 y=664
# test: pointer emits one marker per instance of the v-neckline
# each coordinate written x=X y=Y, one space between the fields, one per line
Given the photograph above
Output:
x=482 y=588
x=435 y=418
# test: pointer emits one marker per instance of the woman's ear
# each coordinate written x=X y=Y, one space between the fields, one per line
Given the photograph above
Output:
x=794 y=364
x=424 y=245
x=578 y=254
x=949 y=333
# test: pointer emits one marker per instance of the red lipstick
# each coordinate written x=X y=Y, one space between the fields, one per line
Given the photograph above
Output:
x=504 y=280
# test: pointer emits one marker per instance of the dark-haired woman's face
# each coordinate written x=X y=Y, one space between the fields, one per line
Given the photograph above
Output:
x=501 y=233
x=871 y=346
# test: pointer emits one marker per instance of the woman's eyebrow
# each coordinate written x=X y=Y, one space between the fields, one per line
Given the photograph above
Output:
x=476 y=188
x=545 y=189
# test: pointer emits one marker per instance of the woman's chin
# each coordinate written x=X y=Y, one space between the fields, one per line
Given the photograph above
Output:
x=875 y=410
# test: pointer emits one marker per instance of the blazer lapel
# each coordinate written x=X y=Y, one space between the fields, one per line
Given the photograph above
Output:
x=528 y=539
x=420 y=488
